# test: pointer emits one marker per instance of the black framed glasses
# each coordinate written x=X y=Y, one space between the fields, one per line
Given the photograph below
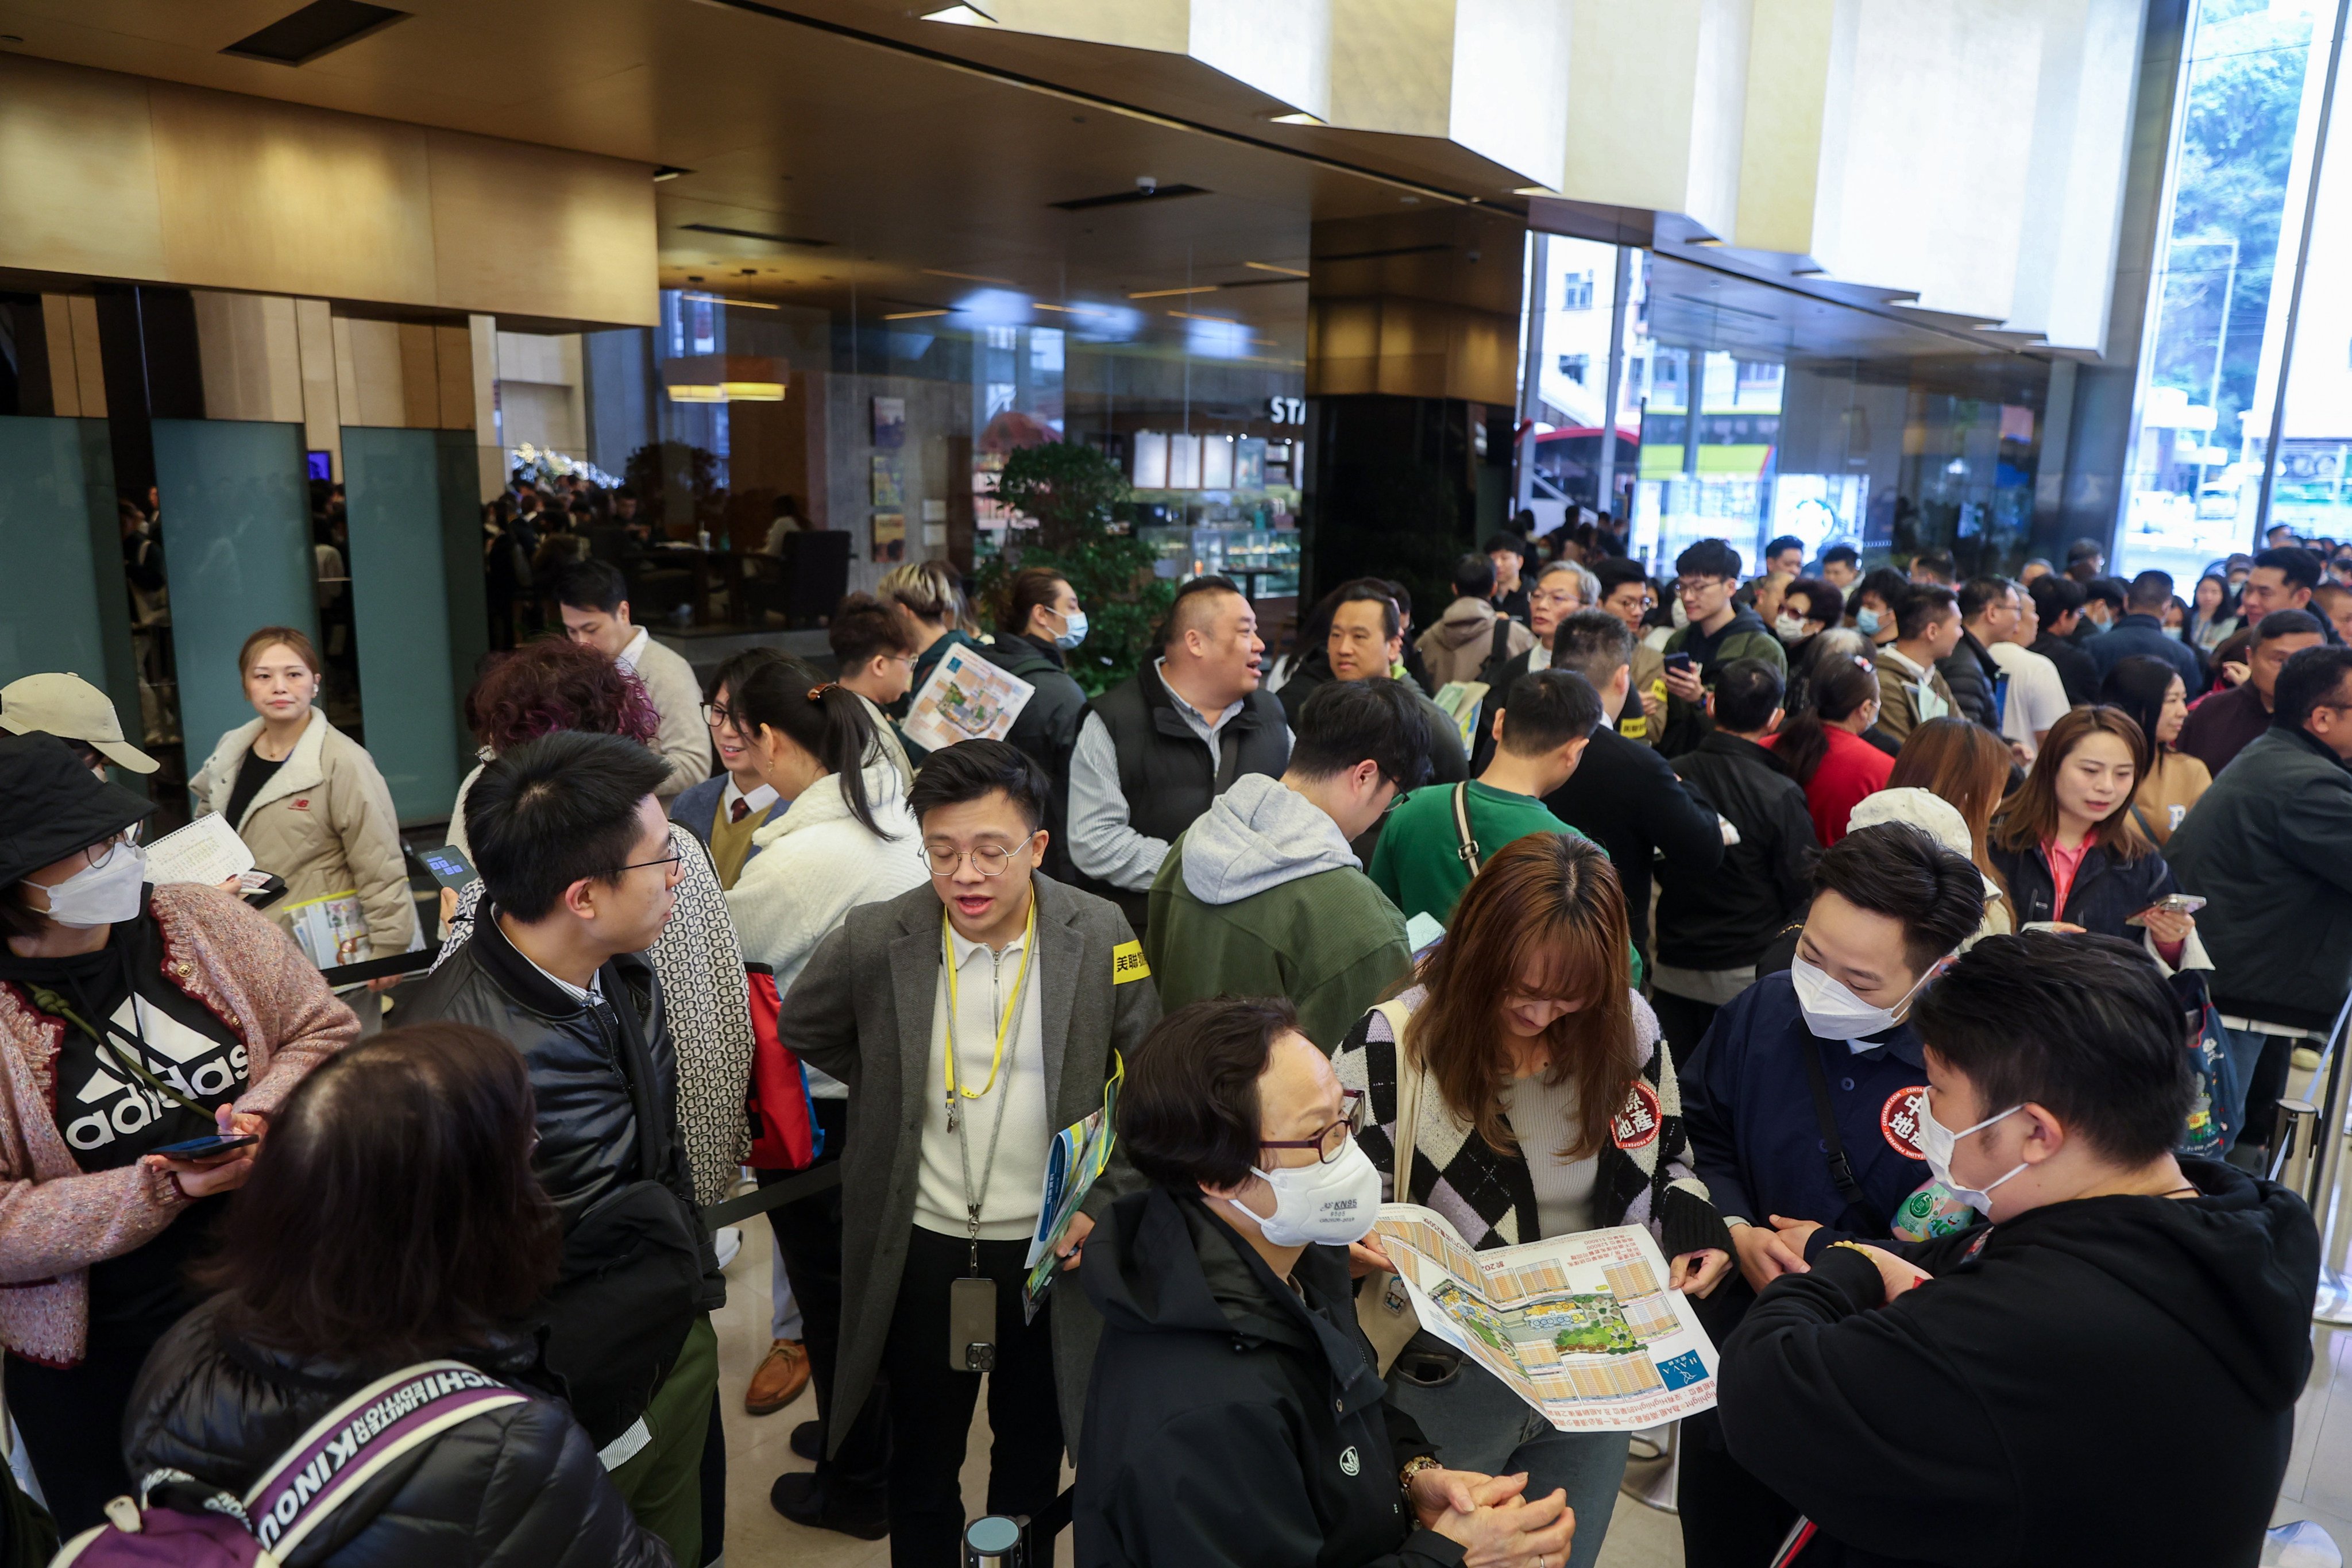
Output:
x=1333 y=1140
x=988 y=859
x=715 y=715
x=671 y=859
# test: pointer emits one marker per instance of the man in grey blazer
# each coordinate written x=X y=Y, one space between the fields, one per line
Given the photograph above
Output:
x=972 y=1019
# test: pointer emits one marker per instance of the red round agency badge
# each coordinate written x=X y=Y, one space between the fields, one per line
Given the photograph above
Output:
x=1898 y=1119
x=1638 y=1121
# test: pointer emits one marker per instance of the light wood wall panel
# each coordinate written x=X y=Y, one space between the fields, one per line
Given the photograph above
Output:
x=453 y=358
x=115 y=176
x=251 y=356
x=420 y=378
x=322 y=417
x=81 y=313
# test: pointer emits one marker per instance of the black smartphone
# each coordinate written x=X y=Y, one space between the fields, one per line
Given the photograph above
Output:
x=209 y=1147
x=260 y=889
x=448 y=865
x=1680 y=661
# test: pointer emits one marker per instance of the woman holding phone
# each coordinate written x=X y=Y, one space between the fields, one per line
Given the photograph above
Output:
x=132 y=1018
x=2066 y=849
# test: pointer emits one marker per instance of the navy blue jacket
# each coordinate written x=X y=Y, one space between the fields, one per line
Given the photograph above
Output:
x=2135 y=636
x=1755 y=1137
x=2105 y=891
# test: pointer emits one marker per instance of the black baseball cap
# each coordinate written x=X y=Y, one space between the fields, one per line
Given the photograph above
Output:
x=52 y=805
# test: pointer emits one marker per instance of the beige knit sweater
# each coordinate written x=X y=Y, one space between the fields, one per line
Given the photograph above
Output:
x=55 y=1220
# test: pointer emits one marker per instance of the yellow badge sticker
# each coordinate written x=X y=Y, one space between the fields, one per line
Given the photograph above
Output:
x=1127 y=964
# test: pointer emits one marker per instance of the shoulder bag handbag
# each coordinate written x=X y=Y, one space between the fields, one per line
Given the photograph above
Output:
x=1383 y=1310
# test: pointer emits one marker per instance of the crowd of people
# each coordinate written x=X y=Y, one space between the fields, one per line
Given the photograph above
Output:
x=1854 y=933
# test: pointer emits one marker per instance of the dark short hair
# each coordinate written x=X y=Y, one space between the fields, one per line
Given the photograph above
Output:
x=1186 y=611
x=1474 y=577
x=1978 y=593
x=1593 y=643
x=1746 y=692
x=1344 y=722
x=1786 y=542
x=971 y=770
x=2085 y=549
x=393 y=1215
x=590 y=586
x=1923 y=607
x=736 y=669
x=1031 y=586
x=2288 y=624
x=1708 y=558
x=1508 y=540
x=1547 y=709
x=2109 y=591
x=1617 y=571
x=1403 y=595
x=1937 y=564
x=2309 y=679
x=2055 y=595
x=1895 y=869
x=1373 y=591
x=2301 y=567
x=1824 y=602
x=554 y=811
x=2150 y=591
x=1188 y=1112
x=864 y=628
x=1842 y=553
x=1885 y=584
x=2082 y=1025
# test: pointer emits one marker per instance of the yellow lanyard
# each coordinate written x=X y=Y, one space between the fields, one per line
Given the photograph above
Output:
x=1004 y=1027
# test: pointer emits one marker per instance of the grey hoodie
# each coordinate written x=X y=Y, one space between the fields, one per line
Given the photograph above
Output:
x=1260 y=834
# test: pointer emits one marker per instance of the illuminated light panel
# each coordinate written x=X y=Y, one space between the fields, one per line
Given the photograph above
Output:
x=1533 y=191
x=752 y=391
x=741 y=304
x=1270 y=266
x=961 y=16
x=1299 y=119
x=1168 y=294
x=698 y=394
x=1189 y=315
x=1072 y=309
x=911 y=315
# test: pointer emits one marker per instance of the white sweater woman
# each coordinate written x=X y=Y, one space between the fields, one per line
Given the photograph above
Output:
x=817 y=862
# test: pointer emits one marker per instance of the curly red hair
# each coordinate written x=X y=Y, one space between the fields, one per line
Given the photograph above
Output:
x=548 y=684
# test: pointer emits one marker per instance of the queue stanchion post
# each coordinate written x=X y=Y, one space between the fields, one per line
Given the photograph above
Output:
x=993 y=1541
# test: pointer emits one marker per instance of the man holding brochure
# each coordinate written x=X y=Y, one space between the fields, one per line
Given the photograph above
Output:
x=1011 y=1002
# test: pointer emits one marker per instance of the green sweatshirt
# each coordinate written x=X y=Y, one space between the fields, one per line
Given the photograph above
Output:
x=1261 y=898
x=1418 y=863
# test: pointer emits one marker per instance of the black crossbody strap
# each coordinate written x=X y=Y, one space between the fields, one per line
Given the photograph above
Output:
x=1841 y=1168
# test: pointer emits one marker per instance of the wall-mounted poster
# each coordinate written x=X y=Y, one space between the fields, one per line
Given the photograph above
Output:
x=889 y=537
x=888 y=491
x=890 y=422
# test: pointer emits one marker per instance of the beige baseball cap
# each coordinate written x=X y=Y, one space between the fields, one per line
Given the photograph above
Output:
x=72 y=709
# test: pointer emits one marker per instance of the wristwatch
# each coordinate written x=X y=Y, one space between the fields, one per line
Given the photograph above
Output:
x=1412 y=1467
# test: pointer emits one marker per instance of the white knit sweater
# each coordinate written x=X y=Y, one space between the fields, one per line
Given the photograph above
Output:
x=817 y=862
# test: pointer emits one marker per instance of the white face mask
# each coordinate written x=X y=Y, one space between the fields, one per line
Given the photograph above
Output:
x=1788 y=627
x=1936 y=1143
x=102 y=894
x=1681 y=616
x=1073 y=630
x=1834 y=1013
x=1320 y=1204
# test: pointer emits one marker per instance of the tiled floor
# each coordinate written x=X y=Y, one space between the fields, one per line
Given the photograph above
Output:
x=2318 y=1480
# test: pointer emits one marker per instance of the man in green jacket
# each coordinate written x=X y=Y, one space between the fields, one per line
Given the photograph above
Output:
x=1718 y=629
x=1540 y=737
x=1262 y=897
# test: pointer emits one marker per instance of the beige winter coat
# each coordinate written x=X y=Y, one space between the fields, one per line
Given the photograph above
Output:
x=325 y=823
x=1458 y=647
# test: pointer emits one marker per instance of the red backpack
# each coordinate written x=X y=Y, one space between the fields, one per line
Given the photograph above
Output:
x=785 y=1135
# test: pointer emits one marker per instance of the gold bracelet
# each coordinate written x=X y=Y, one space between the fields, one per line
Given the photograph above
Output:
x=1412 y=1467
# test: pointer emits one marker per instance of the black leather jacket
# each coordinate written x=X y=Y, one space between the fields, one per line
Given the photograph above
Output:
x=588 y=1140
x=517 y=1487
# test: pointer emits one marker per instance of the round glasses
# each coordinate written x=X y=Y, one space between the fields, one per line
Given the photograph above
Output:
x=988 y=859
x=1332 y=1141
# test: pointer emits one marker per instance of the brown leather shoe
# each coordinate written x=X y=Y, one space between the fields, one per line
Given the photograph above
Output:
x=779 y=1379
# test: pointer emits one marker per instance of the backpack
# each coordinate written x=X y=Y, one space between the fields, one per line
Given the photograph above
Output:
x=183 y=1524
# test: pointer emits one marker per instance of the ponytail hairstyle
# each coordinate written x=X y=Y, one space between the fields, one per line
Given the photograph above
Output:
x=1837 y=689
x=820 y=716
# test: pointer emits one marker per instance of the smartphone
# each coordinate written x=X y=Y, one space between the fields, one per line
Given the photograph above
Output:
x=209 y=1147
x=260 y=889
x=2174 y=904
x=1676 y=661
x=448 y=865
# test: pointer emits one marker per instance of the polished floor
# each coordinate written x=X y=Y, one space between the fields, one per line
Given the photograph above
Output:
x=2318 y=1479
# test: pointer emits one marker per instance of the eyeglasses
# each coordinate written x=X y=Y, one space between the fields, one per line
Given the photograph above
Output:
x=988 y=859
x=97 y=854
x=714 y=715
x=1333 y=1140
x=1692 y=587
x=669 y=860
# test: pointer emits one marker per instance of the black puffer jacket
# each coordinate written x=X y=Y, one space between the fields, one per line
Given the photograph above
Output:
x=1970 y=672
x=1047 y=729
x=1231 y=1420
x=517 y=1487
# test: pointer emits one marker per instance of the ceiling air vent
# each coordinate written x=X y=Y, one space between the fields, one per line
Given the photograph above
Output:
x=1128 y=199
x=319 y=28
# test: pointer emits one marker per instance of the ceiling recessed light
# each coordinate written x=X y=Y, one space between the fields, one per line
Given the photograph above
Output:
x=669 y=172
x=1270 y=266
x=1533 y=191
x=1166 y=293
x=1301 y=118
x=319 y=28
x=911 y=315
x=961 y=16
